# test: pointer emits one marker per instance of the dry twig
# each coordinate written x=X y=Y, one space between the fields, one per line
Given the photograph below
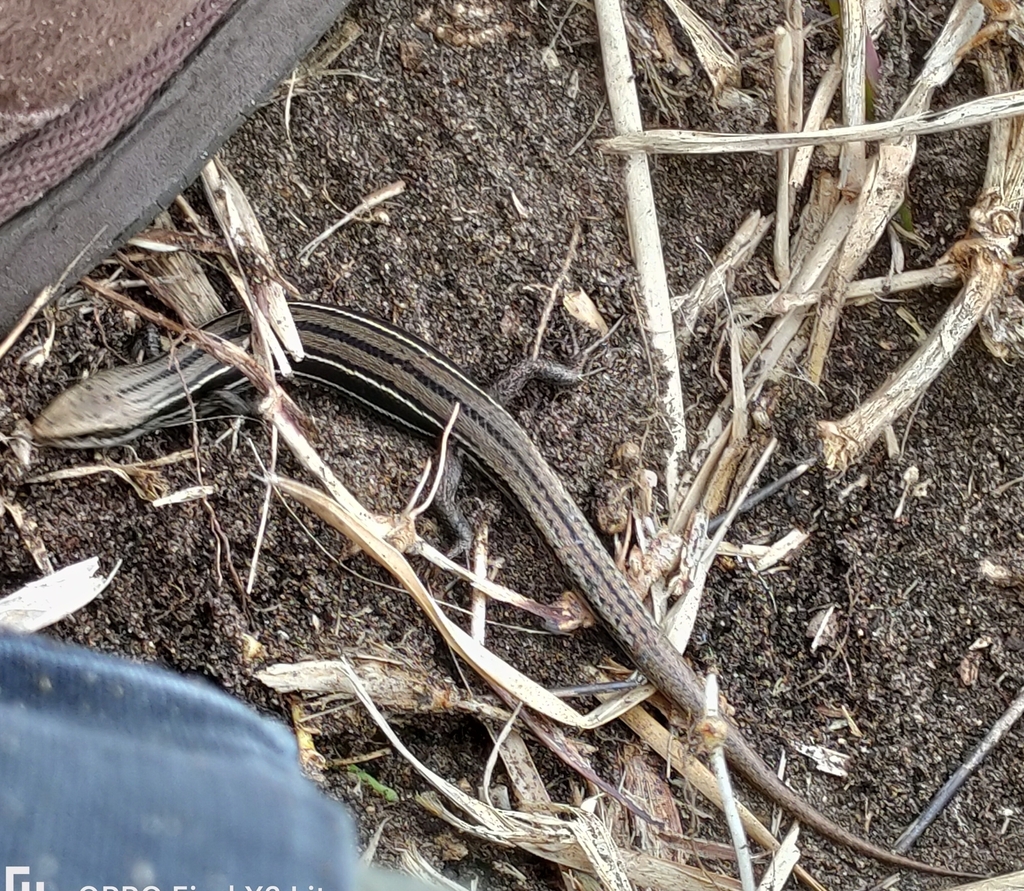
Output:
x=644 y=236
x=984 y=258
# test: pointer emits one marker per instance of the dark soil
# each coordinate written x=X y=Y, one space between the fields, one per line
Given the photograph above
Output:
x=499 y=164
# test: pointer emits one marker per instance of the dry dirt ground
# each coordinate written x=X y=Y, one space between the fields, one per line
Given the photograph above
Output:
x=497 y=150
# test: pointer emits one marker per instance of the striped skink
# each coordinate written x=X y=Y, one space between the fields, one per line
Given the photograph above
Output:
x=416 y=387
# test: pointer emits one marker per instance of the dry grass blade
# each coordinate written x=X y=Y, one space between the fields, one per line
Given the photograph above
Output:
x=713 y=731
x=370 y=537
x=179 y=281
x=224 y=351
x=881 y=190
x=712 y=289
x=717 y=58
x=41 y=603
x=679 y=622
x=943 y=275
x=845 y=227
x=854 y=33
x=702 y=780
x=574 y=845
x=975 y=113
x=319 y=63
x=29 y=532
x=549 y=304
x=824 y=94
x=794 y=25
x=783 y=863
x=386 y=193
x=393 y=682
x=764 y=557
x=43 y=298
x=984 y=258
x=564 y=614
x=142 y=477
x=575 y=839
x=414 y=863
x=262 y=287
x=1012 y=881
x=644 y=234
x=877 y=202
x=522 y=772
x=784 y=194
x=643 y=779
x=848 y=439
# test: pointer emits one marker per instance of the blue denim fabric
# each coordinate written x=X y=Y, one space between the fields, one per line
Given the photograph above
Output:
x=116 y=774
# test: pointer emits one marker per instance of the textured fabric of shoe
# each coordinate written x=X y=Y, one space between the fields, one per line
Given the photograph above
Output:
x=74 y=73
x=82 y=187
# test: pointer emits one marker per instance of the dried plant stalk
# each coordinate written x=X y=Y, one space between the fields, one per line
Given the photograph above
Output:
x=846 y=440
x=698 y=142
x=717 y=58
x=644 y=235
x=984 y=258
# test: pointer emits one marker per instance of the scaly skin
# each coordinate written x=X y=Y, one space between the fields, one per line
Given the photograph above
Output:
x=413 y=385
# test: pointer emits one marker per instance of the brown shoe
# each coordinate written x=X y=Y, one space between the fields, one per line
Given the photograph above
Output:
x=108 y=108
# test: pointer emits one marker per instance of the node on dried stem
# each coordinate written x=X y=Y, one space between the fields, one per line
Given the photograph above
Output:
x=984 y=259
